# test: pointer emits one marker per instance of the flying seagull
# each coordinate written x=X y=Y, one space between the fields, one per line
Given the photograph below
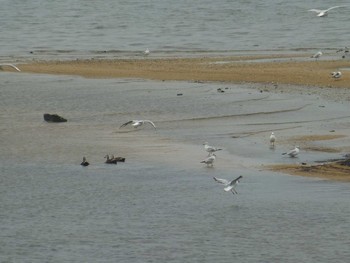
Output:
x=138 y=123
x=229 y=185
x=210 y=149
x=336 y=75
x=272 y=139
x=323 y=13
x=209 y=161
x=84 y=162
x=9 y=65
x=292 y=153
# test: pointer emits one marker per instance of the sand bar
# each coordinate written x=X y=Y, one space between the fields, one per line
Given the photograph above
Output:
x=281 y=69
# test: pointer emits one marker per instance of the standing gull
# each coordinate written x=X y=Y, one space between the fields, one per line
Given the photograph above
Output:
x=138 y=123
x=272 y=139
x=336 y=75
x=209 y=161
x=210 y=149
x=317 y=55
x=323 y=13
x=292 y=153
x=229 y=185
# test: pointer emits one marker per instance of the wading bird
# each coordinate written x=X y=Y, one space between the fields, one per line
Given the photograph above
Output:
x=272 y=139
x=209 y=161
x=210 y=149
x=84 y=162
x=292 y=153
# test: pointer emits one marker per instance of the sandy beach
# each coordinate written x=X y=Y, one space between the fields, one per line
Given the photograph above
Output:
x=287 y=72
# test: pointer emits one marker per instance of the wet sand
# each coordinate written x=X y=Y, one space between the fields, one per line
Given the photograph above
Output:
x=288 y=74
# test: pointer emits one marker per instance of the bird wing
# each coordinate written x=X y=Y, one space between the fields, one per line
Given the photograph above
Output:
x=235 y=181
x=316 y=10
x=334 y=7
x=10 y=65
x=150 y=123
x=221 y=181
x=129 y=122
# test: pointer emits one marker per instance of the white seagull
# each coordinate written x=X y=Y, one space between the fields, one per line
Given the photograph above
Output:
x=229 y=185
x=146 y=52
x=209 y=160
x=317 y=55
x=272 y=139
x=336 y=75
x=292 y=153
x=9 y=65
x=210 y=149
x=323 y=13
x=138 y=123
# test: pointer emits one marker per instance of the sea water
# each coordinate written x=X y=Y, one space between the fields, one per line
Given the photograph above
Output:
x=69 y=29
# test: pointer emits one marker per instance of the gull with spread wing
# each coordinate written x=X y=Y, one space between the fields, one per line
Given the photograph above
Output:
x=229 y=185
x=323 y=13
x=138 y=123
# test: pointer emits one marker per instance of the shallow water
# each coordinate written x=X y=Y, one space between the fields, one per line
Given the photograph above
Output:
x=162 y=204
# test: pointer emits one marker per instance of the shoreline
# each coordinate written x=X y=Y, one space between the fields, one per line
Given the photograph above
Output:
x=289 y=74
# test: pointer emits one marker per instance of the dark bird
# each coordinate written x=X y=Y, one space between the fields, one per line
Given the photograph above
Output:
x=84 y=162
x=110 y=160
x=118 y=159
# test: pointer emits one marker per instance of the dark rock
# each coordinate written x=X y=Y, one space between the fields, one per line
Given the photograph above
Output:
x=53 y=118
